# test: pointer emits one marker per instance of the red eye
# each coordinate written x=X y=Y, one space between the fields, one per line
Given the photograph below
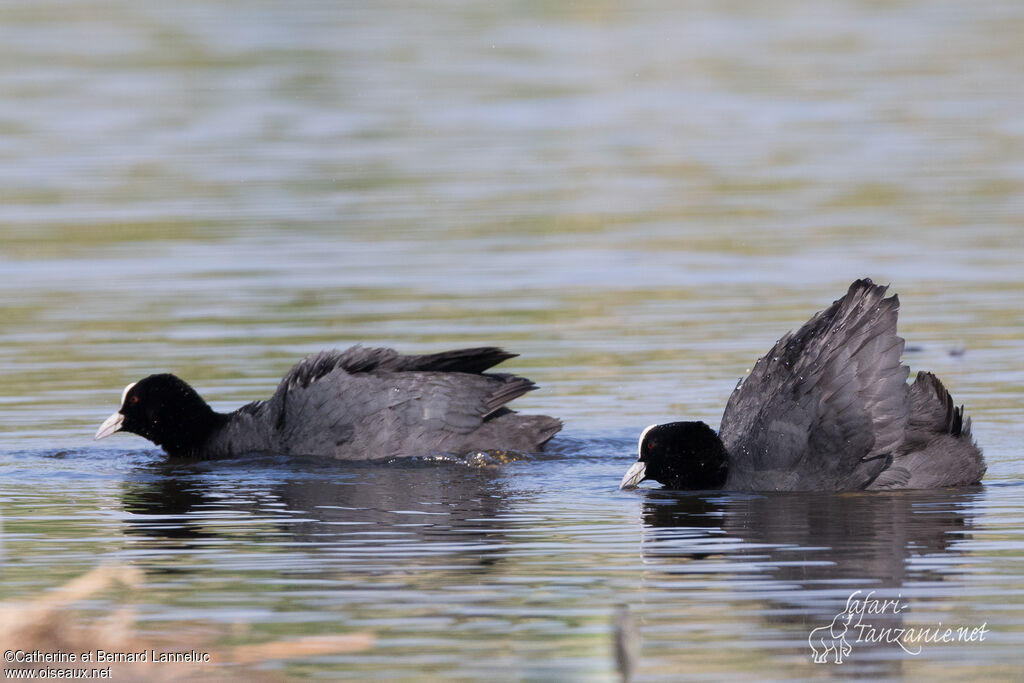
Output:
x=132 y=400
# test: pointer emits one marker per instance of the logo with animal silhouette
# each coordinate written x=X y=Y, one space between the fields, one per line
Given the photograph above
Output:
x=832 y=639
x=857 y=623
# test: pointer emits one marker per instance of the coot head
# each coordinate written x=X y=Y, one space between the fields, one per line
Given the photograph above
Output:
x=164 y=409
x=680 y=455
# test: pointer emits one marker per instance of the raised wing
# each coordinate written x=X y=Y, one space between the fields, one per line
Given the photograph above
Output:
x=826 y=408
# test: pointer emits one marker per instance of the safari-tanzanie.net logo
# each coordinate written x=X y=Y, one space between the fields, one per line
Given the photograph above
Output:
x=865 y=620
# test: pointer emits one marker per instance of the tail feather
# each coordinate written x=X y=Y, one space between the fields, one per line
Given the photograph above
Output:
x=938 y=449
x=932 y=410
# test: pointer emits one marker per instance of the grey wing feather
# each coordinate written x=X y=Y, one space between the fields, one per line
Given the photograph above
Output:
x=358 y=359
x=827 y=405
x=473 y=361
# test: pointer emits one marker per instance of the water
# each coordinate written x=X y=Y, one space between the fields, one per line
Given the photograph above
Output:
x=638 y=199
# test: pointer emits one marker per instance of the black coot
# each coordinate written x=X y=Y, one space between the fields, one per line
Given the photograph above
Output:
x=828 y=409
x=360 y=404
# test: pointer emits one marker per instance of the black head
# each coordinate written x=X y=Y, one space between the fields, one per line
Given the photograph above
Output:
x=680 y=455
x=165 y=410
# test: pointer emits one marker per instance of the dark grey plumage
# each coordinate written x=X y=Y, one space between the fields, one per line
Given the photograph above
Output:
x=824 y=408
x=359 y=404
x=938 y=448
x=829 y=409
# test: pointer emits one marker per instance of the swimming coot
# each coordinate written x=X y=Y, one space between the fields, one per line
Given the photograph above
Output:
x=359 y=404
x=828 y=409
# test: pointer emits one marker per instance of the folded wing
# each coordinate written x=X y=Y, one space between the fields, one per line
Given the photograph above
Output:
x=373 y=403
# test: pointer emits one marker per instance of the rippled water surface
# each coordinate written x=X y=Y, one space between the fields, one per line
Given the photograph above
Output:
x=637 y=198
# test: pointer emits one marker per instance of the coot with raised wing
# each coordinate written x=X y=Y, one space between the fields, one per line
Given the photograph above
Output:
x=827 y=409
